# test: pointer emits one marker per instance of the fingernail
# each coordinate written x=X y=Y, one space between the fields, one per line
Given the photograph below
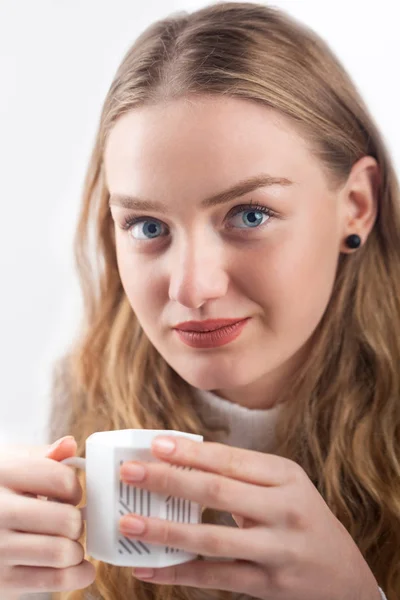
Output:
x=132 y=525
x=164 y=445
x=133 y=472
x=143 y=573
x=58 y=442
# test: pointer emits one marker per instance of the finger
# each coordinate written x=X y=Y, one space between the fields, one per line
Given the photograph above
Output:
x=47 y=579
x=19 y=513
x=235 y=576
x=39 y=450
x=40 y=476
x=248 y=466
x=213 y=491
x=212 y=540
x=63 y=449
x=18 y=548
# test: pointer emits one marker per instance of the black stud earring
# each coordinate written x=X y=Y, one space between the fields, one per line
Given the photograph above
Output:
x=353 y=241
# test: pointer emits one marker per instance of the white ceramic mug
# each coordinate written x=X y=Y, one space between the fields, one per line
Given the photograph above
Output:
x=108 y=499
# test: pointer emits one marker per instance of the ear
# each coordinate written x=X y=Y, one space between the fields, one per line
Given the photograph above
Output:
x=360 y=197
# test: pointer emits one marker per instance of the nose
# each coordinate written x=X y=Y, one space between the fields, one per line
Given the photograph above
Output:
x=197 y=270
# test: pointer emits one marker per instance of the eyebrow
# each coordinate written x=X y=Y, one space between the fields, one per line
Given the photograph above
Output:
x=239 y=189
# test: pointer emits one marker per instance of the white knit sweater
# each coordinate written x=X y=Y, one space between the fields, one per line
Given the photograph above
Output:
x=249 y=428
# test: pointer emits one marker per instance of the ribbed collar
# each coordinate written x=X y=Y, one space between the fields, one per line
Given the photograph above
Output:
x=253 y=429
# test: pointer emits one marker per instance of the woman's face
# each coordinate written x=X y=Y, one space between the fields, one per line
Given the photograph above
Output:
x=195 y=262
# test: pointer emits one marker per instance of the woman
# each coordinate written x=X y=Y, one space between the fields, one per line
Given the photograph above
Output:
x=304 y=254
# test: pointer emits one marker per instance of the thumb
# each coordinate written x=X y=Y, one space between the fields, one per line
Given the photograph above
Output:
x=62 y=448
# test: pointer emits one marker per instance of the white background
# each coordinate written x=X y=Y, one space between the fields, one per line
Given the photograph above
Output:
x=57 y=61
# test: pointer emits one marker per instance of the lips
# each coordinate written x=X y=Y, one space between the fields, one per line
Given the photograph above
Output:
x=207 y=325
x=214 y=338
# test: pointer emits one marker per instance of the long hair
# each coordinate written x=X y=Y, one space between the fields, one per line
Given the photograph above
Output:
x=341 y=422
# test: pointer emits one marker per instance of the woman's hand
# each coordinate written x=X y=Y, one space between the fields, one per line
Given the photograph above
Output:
x=289 y=545
x=39 y=547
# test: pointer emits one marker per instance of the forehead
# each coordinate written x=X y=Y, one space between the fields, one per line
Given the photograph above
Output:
x=208 y=141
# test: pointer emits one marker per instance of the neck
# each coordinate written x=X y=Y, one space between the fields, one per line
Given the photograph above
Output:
x=266 y=392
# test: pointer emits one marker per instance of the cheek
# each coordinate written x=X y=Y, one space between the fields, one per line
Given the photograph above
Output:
x=300 y=279
x=139 y=283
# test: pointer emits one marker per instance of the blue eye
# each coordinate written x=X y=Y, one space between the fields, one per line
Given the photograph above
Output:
x=255 y=214
x=150 y=228
x=252 y=219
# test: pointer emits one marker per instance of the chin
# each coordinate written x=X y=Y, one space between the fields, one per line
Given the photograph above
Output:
x=208 y=379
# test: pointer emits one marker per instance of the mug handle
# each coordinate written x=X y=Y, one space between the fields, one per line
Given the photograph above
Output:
x=80 y=463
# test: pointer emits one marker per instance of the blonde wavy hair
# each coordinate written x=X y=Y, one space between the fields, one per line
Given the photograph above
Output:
x=341 y=422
